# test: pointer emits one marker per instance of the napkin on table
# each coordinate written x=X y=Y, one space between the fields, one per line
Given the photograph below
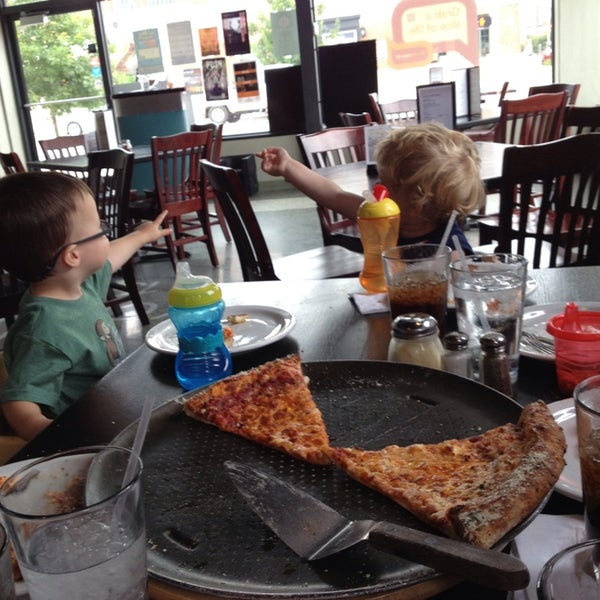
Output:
x=540 y=541
x=370 y=304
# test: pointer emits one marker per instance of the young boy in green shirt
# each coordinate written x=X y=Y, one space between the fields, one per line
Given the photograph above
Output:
x=64 y=339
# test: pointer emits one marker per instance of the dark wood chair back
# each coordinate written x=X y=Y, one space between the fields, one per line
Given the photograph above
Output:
x=572 y=90
x=581 y=119
x=399 y=112
x=63 y=146
x=532 y=120
x=563 y=227
x=324 y=262
x=254 y=255
x=375 y=110
x=334 y=146
x=109 y=178
x=349 y=119
x=11 y=163
x=180 y=189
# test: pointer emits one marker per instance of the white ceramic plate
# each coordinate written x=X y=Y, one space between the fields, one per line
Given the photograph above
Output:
x=569 y=482
x=5 y=471
x=530 y=287
x=264 y=325
x=535 y=319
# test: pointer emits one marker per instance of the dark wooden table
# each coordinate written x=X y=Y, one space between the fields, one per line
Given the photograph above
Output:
x=489 y=115
x=79 y=163
x=328 y=327
x=355 y=177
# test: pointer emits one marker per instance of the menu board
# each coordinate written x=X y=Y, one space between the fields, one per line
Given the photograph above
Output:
x=437 y=102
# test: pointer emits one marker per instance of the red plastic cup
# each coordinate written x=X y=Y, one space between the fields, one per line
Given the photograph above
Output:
x=577 y=346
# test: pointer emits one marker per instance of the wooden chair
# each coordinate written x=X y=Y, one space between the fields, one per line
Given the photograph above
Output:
x=180 y=189
x=335 y=146
x=581 y=119
x=11 y=163
x=563 y=227
x=375 y=110
x=64 y=145
x=109 y=178
x=532 y=120
x=216 y=218
x=572 y=90
x=349 y=119
x=257 y=265
x=399 y=112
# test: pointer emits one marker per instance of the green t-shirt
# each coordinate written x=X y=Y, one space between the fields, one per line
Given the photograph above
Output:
x=57 y=349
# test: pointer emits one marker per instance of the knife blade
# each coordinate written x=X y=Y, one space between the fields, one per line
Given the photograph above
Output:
x=315 y=530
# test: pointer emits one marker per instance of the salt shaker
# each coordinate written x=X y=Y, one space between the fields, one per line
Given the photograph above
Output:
x=493 y=362
x=458 y=358
x=415 y=340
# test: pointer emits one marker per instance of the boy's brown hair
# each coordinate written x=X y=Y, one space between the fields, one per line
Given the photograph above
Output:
x=437 y=168
x=35 y=213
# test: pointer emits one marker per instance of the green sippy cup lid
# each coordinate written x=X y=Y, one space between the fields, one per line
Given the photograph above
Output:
x=190 y=291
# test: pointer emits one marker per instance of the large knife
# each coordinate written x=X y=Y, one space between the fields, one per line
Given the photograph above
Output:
x=314 y=530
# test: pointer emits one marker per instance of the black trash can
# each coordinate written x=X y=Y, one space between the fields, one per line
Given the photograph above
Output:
x=245 y=165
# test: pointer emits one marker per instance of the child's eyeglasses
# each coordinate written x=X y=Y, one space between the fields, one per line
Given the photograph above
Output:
x=104 y=231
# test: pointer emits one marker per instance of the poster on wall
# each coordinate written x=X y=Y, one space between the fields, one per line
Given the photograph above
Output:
x=215 y=79
x=235 y=32
x=209 y=41
x=246 y=80
x=181 y=43
x=147 y=49
x=194 y=84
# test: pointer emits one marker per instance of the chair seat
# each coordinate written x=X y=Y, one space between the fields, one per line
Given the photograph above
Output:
x=327 y=262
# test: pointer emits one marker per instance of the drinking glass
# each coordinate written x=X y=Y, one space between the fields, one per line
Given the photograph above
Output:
x=417 y=280
x=76 y=521
x=7 y=582
x=489 y=292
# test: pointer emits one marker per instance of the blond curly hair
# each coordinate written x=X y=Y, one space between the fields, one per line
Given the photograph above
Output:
x=434 y=167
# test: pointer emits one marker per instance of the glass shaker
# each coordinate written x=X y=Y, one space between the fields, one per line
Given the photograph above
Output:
x=493 y=362
x=416 y=341
x=458 y=358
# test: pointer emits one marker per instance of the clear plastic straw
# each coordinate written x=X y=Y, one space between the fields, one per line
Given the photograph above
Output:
x=447 y=231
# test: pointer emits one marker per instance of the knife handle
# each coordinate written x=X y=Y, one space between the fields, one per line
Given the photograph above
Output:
x=490 y=568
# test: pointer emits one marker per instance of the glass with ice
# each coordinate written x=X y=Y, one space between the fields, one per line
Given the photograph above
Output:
x=489 y=292
x=77 y=536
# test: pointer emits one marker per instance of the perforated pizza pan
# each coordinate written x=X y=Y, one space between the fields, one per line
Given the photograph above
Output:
x=202 y=536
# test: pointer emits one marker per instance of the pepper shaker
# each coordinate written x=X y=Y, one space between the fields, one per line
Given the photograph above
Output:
x=493 y=362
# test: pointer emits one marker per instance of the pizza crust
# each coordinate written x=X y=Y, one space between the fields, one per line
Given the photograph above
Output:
x=475 y=489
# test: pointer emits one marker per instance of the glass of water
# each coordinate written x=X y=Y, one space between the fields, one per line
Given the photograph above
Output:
x=489 y=293
x=76 y=520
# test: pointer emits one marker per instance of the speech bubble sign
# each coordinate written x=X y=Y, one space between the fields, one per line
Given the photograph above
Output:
x=447 y=25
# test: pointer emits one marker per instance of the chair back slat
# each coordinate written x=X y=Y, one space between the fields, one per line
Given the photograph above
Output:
x=63 y=146
x=399 y=112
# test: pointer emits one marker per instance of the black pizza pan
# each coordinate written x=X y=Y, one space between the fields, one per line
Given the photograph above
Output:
x=203 y=537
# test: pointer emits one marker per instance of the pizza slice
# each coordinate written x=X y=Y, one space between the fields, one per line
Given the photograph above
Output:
x=270 y=404
x=475 y=489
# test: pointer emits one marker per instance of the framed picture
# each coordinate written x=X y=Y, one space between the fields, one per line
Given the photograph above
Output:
x=235 y=33
x=437 y=102
x=215 y=79
x=209 y=41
